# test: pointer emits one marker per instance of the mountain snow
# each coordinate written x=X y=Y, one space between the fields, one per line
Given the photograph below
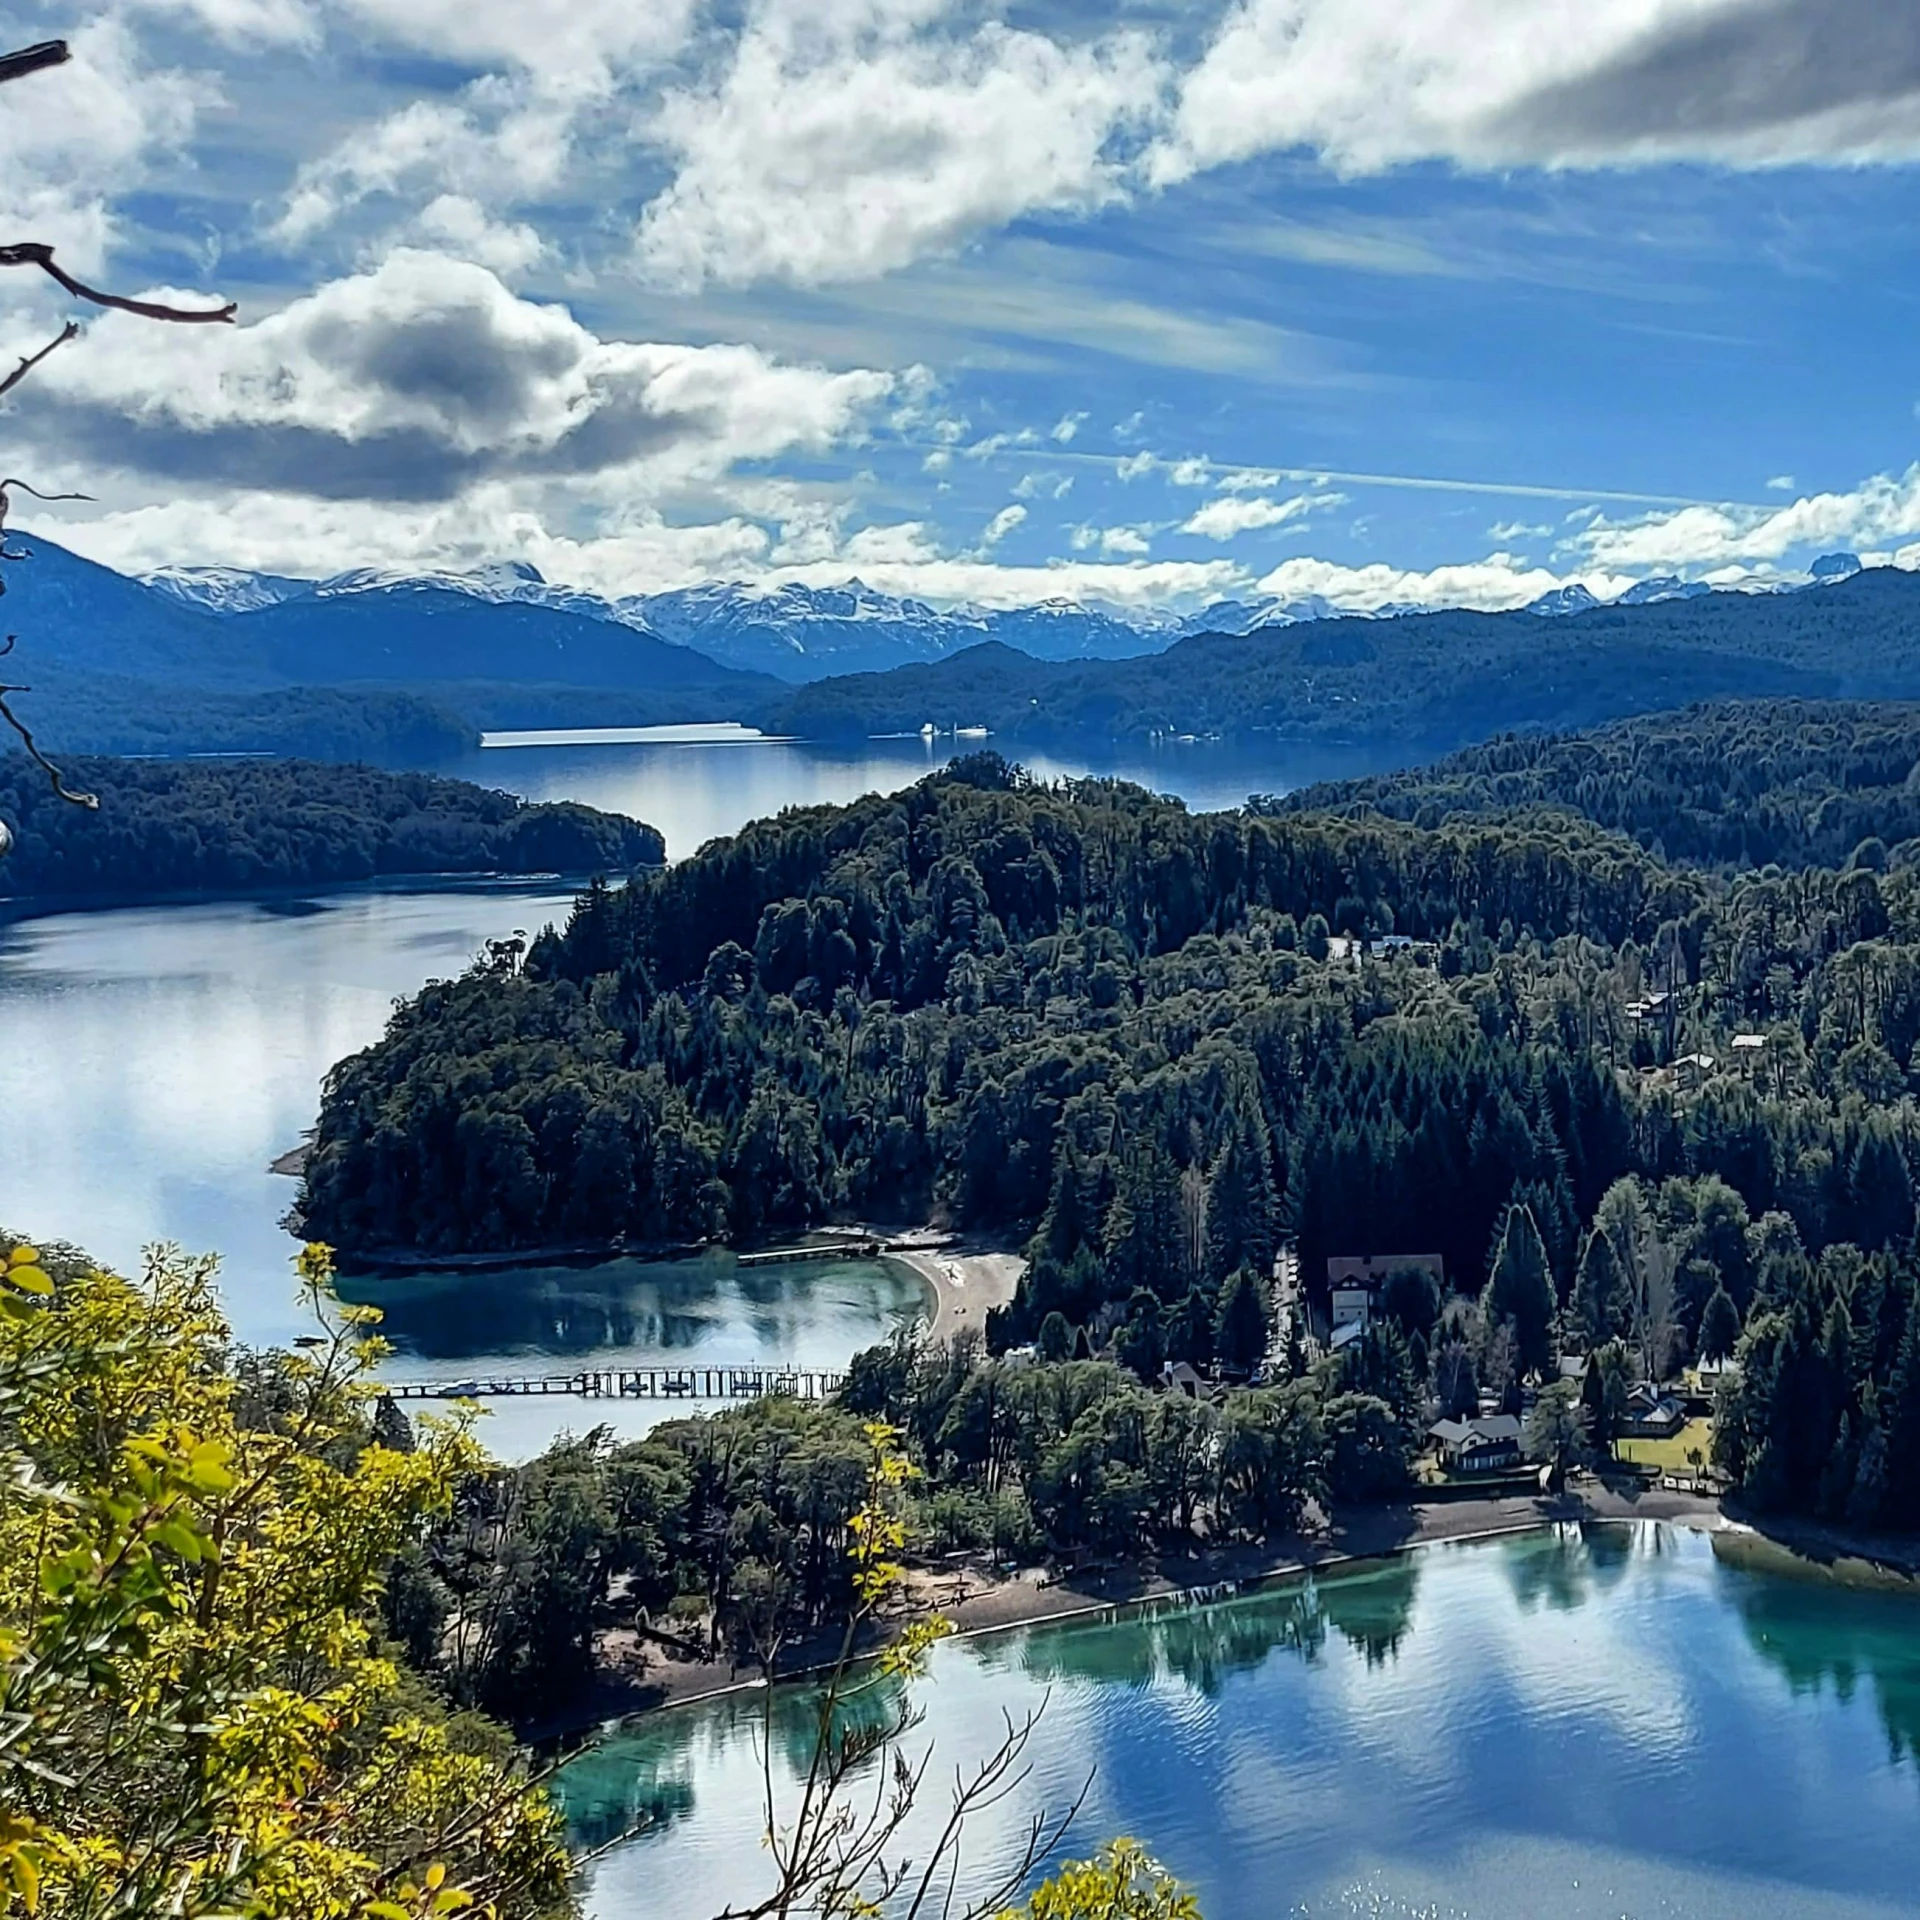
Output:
x=806 y=633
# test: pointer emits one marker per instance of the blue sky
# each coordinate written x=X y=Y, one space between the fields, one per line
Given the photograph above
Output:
x=1384 y=300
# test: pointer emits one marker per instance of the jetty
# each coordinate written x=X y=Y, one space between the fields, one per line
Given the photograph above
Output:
x=634 y=1383
x=828 y=1250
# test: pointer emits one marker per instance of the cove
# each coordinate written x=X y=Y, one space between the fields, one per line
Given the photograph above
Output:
x=1593 y=1722
x=155 y=1059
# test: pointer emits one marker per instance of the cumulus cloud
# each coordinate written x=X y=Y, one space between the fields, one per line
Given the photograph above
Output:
x=840 y=141
x=1002 y=524
x=1236 y=513
x=1498 y=582
x=74 y=138
x=422 y=378
x=1368 y=84
x=1878 y=513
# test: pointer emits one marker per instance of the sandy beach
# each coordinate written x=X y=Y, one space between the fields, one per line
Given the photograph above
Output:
x=965 y=1282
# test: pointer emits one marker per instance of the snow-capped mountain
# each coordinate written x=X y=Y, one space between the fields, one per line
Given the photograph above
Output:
x=1663 y=586
x=1572 y=598
x=224 y=589
x=802 y=633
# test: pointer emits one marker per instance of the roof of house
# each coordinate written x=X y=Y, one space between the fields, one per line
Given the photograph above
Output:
x=1484 y=1429
x=1746 y=1042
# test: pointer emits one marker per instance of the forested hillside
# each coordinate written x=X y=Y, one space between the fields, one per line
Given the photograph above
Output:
x=1737 y=784
x=180 y=826
x=1145 y=1041
x=1429 y=681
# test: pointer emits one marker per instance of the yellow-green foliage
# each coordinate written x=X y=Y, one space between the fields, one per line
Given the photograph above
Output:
x=194 y=1715
x=1120 y=1883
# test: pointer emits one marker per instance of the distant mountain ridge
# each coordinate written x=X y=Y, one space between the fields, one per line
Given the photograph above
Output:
x=376 y=662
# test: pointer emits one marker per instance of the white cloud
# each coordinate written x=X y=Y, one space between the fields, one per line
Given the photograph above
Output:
x=1781 y=483
x=1234 y=514
x=496 y=145
x=1002 y=524
x=462 y=227
x=1371 y=84
x=1135 y=466
x=1068 y=425
x=1491 y=585
x=1039 y=485
x=839 y=142
x=73 y=138
x=293 y=533
x=422 y=378
x=1880 y=512
x=1125 y=540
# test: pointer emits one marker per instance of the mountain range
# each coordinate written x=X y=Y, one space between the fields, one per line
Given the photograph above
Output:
x=409 y=666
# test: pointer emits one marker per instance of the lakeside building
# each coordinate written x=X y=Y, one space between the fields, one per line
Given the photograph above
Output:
x=1487 y=1443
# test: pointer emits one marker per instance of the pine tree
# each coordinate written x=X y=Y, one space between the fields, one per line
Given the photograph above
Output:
x=1601 y=1305
x=1520 y=1289
x=1242 y=1227
x=1719 y=1326
x=1242 y=1326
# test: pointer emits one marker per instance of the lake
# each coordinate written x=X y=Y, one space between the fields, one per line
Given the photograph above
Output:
x=694 y=783
x=1609 y=1723
x=155 y=1059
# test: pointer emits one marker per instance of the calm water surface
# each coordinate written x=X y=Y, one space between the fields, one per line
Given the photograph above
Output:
x=693 y=790
x=1596 y=1724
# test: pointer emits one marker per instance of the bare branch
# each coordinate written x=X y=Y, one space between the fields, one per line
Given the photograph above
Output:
x=35 y=253
x=49 y=53
x=91 y=801
x=29 y=361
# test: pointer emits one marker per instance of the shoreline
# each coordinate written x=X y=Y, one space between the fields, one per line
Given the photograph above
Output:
x=980 y=1606
x=966 y=1283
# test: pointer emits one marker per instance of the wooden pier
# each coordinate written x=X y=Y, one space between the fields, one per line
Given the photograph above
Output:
x=634 y=1383
x=831 y=1250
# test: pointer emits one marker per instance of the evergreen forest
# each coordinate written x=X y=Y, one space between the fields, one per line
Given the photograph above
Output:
x=1152 y=1046
x=224 y=826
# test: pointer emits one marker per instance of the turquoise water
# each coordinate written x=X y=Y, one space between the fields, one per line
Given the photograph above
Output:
x=1613 y=1723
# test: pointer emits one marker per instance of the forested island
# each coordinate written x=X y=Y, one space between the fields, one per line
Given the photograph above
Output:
x=225 y=826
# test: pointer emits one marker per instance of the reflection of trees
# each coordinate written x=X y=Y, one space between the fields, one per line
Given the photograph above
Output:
x=1819 y=1634
x=637 y=1784
x=1372 y=1607
x=1564 y=1568
x=1205 y=1645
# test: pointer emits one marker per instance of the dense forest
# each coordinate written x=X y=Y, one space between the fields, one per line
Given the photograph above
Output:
x=735 y=1527
x=223 y=825
x=1153 y=1044
x=1428 y=681
x=1736 y=784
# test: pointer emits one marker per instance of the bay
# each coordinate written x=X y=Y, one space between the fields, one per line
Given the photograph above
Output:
x=156 y=1058
x=1605 y=1723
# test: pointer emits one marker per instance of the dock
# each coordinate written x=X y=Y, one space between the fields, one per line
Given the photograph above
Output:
x=832 y=1250
x=634 y=1383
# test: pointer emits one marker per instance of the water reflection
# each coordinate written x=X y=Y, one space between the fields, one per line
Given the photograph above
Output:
x=1587 y=1724
x=641 y=1312
x=1823 y=1636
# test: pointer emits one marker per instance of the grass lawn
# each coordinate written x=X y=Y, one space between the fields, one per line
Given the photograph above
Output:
x=1670 y=1456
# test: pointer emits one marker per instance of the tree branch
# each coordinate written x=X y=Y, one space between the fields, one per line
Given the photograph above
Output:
x=29 y=361
x=36 y=253
x=49 y=53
